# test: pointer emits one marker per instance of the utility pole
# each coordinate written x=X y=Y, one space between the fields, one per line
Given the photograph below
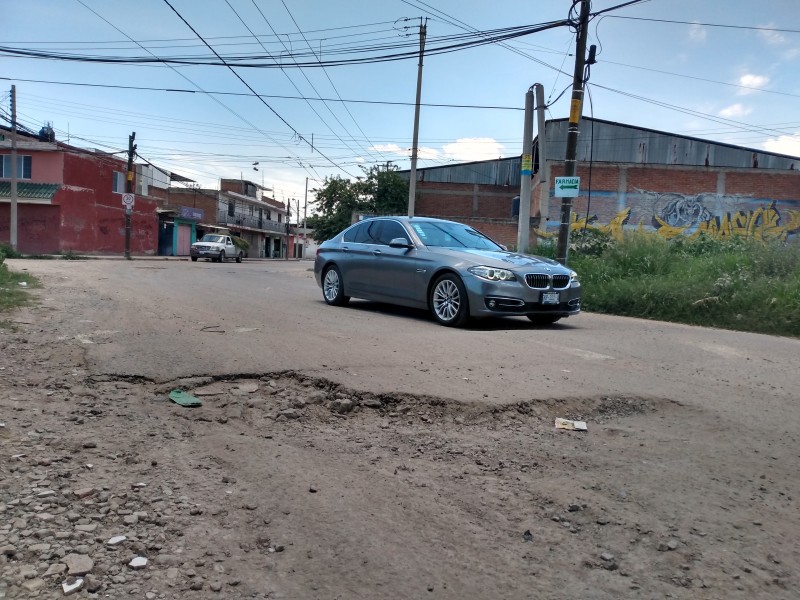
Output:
x=129 y=190
x=13 y=216
x=526 y=171
x=575 y=109
x=412 y=184
x=305 y=214
x=288 y=215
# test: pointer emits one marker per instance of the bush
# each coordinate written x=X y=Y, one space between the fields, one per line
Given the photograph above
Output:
x=741 y=284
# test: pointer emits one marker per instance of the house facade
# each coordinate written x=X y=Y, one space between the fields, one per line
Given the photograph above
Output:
x=240 y=206
x=70 y=199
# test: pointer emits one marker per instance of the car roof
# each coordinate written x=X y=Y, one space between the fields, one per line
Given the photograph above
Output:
x=407 y=219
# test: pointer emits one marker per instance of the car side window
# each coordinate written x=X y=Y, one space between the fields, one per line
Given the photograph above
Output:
x=372 y=232
x=351 y=235
x=390 y=231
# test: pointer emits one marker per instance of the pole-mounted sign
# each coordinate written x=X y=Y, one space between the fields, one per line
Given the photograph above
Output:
x=567 y=187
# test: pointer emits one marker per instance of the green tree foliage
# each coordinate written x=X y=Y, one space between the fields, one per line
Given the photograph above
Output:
x=380 y=192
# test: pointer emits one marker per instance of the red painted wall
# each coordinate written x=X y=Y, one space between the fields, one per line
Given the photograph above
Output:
x=37 y=228
x=85 y=215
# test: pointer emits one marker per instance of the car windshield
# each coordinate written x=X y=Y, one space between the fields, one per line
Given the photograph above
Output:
x=212 y=238
x=452 y=235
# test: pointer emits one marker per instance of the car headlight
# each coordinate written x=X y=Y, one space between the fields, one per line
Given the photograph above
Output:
x=493 y=273
x=573 y=279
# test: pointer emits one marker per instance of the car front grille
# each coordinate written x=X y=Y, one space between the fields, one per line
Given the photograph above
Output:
x=542 y=281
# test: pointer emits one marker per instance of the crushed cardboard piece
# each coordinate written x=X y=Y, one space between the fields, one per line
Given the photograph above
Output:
x=570 y=425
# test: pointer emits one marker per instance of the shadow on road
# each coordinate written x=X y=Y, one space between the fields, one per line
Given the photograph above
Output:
x=487 y=324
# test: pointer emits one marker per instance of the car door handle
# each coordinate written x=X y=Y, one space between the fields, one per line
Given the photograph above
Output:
x=345 y=249
x=376 y=252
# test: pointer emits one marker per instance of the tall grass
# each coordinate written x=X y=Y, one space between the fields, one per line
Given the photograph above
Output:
x=12 y=293
x=738 y=283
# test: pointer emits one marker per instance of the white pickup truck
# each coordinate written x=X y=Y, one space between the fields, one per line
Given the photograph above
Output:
x=216 y=248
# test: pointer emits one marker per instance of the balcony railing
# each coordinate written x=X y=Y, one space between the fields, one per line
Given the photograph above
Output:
x=223 y=218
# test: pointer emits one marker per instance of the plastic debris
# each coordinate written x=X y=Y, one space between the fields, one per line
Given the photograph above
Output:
x=570 y=425
x=184 y=398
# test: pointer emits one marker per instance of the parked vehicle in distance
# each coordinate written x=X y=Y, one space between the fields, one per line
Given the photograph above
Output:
x=216 y=248
x=448 y=268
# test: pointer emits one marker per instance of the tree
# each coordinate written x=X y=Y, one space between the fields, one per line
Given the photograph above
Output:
x=380 y=192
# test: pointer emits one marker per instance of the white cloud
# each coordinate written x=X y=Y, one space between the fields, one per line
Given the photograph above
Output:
x=422 y=151
x=390 y=148
x=753 y=82
x=774 y=38
x=469 y=149
x=735 y=111
x=785 y=144
x=697 y=32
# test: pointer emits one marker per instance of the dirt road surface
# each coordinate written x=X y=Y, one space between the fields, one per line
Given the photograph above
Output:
x=368 y=453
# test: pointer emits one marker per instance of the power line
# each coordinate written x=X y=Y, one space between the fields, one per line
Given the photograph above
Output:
x=247 y=85
x=222 y=104
x=326 y=75
x=257 y=95
x=749 y=27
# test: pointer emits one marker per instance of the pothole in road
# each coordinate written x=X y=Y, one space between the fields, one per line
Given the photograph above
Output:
x=289 y=395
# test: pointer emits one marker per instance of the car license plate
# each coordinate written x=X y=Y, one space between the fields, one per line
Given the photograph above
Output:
x=549 y=297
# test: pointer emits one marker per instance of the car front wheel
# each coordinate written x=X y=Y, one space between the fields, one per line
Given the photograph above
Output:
x=221 y=256
x=333 y=287
x=194 y=259
x=448 y=301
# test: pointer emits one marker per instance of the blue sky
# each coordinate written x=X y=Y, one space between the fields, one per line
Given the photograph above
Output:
x=722 y=70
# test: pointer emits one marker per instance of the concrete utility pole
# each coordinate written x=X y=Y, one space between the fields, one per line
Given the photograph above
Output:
x=14 y=200
x=129 y=190
x=412 y=184
x=526 y=171
x=575 y=109
x=305 y=214
x=288 y=215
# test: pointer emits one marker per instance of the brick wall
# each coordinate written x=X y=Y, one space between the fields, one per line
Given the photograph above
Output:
x=651 y=194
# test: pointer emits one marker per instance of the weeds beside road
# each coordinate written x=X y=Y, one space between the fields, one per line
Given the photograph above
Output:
x=738 y=284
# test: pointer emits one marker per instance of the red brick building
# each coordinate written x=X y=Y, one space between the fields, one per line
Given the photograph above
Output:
x=630 y=178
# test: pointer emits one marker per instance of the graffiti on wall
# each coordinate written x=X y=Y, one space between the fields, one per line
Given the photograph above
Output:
x=671 y=215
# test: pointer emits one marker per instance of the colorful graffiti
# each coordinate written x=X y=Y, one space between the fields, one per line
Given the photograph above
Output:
x=671 y=215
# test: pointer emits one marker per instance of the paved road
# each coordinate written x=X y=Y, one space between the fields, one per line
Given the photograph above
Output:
x=164 y=319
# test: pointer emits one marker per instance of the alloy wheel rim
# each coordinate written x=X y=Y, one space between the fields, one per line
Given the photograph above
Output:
x=446 y=300
x=331 y=285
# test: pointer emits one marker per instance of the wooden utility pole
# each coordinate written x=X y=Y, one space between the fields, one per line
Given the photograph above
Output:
x=14 y=200
x=412 y=184
x=575 y=109
x=129 y=190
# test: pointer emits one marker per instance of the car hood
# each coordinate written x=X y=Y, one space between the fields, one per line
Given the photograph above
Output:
x=501 y=258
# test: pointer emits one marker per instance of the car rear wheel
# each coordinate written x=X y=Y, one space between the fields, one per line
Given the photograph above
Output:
x=448 y=301
x=221 y=258
x=239 y=257
x=543 y=319
x=333 y=287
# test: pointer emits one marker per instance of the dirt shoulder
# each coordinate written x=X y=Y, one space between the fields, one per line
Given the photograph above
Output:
x=285 y=484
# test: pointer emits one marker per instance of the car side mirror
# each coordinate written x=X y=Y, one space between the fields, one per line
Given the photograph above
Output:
x=400 y=243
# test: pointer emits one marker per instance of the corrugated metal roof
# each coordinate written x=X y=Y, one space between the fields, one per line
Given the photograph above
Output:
x=30 y=191
x=606 y=141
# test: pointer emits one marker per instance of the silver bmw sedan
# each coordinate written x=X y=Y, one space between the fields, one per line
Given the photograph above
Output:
x=448 y=268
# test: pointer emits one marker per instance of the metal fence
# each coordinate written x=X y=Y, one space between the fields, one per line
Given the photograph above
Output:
x=223 y=218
